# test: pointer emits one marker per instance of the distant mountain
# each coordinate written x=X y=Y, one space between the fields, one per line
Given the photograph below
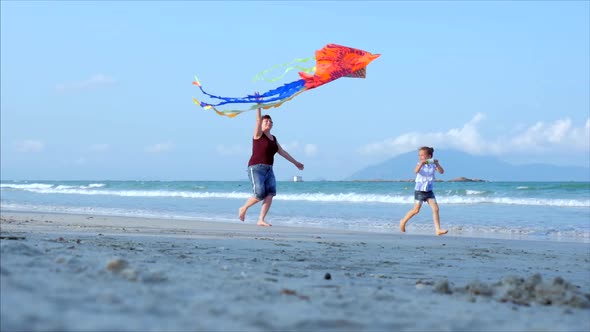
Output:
x=460 y=164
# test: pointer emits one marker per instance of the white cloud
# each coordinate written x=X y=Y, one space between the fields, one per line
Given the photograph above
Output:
x=465 y=138
x=100 y=147
x=159 y=147
x=233 y=150
x=539 y=137
x=29 y=146
x=559 y=134
x=310 y=150
x=96 y=80
x=291 y=147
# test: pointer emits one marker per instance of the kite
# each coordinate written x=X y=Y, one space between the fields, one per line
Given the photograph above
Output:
x=332 y=62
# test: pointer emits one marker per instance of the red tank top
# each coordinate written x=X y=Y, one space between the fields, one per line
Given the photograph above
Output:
x=263 y=150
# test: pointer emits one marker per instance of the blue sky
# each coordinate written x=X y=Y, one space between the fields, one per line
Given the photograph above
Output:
x=102 y=90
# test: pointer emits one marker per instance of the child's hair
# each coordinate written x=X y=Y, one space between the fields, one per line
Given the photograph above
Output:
x=429 y=151
x=266 y=116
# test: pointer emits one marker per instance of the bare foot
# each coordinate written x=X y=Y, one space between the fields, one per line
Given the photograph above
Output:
x=402 y=226
x=441 y=232
x=263 y=223
x=242 y=213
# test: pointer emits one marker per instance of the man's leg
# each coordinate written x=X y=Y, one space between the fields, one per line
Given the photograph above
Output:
x=266 y=203
x=242 y=211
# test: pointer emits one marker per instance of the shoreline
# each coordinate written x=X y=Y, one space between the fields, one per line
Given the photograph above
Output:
x=112 y=224
x=85 y=272
x=189 y=223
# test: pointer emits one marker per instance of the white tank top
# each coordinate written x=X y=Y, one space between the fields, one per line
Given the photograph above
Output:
x=425 y=177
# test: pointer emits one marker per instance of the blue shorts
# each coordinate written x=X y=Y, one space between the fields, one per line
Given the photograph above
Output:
x=263 y=181
x=423 y=196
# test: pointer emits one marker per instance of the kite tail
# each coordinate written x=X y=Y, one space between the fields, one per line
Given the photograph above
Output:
x=293 y=65
x=283 y=92
x=248 y=99
x=233 y=113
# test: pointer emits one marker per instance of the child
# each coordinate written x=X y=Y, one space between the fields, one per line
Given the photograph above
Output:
x=425 y=170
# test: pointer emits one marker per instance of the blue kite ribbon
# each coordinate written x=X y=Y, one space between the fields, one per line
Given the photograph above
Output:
x=283 y=92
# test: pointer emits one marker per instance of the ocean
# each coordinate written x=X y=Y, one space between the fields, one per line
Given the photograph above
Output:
x=546 y=211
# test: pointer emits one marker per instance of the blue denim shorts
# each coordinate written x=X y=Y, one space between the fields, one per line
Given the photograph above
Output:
x=263 y=180
x=423 y=196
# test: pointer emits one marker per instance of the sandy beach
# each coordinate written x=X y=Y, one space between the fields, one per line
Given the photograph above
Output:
x=88 y=272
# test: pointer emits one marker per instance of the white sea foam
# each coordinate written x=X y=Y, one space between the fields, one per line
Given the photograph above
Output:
x=31 y=186
x=471 y=197
x=474 y=192
x=515 y=201
x=63 y=187
x=34 y=186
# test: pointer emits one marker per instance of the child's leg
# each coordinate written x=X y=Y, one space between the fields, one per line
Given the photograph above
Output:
x=435 y=217
x=410 y=214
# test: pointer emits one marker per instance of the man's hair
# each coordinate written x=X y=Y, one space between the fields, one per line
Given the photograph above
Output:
x=266 y=116
x=429 y=151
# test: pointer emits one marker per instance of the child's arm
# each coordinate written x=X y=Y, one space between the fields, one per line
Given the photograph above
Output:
x=438 y=167
x=420 y=164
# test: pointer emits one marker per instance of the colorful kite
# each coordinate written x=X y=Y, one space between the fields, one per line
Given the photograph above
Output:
x=332 y=62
